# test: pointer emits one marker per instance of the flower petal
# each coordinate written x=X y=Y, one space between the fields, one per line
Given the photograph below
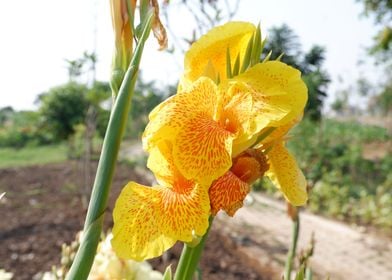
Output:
x=227 y=193
x=212 y=48
x=137 y=232
x=278 y=134
x=286 y=175
x=161 y=163
x=279 y=93
x=167 y=119
x=149 y=220
x=202 y=150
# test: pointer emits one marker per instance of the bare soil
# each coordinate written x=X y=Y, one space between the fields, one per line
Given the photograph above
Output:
x=43 y=209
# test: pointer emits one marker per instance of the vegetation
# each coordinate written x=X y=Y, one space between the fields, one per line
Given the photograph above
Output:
x=11 y=157
x=343 y=182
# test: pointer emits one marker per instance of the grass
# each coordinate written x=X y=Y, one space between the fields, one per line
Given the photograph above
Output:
x=10 y=157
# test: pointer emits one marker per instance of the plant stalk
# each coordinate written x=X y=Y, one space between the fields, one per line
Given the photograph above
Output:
x=190 y=257
x=84 y=258
x=293 y=248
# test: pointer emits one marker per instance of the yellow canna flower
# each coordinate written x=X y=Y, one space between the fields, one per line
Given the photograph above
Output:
x=149 y=220
x=210 y=51
x=208 y=124
x=283 y=169
x=202 y=143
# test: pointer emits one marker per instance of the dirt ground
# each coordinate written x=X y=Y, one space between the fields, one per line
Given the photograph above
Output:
x=43 y=209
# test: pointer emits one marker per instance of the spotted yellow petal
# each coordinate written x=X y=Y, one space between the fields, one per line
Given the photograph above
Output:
x=236 y=111
x=167 y=119
x=161 y=163
x=227 y=193
x=286 y=175
x=211 y=49
x=137 y=230
x=278 y=91
x=240 y=146
x=202 y=150
x=278 y=134
x=149 y=220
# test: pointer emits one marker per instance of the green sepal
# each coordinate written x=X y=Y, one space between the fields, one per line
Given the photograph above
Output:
x=248 y=55
x=168 y=275
x=301 y=273
x=257 y=46
x=229 y=73
x=263 y=135
x=236 y=67
x=280 y=57
x=267 y=57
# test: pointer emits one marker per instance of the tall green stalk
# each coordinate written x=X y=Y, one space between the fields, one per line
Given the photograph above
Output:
x=293 y=249
x=84 y=258
x=190 y=257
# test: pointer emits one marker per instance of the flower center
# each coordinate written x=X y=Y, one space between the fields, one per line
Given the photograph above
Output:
x=250 y=165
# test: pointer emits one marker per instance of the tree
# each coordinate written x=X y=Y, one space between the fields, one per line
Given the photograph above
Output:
x=382 y=50
x=5 y=114
x=62 y=108
x=381 y=10
x=283 y=40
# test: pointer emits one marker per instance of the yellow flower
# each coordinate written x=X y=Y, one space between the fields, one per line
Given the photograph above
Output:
x=201 y=144
x=149 y=220
x=208 y=125
x=211 y=51
x=283 y=169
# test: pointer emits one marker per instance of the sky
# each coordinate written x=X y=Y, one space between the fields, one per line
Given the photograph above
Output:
x=37 y=36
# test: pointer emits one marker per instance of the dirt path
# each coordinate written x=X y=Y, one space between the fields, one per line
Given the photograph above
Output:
x=263 y=231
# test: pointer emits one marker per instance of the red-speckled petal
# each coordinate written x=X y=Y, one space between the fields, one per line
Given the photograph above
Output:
x=149 y=220
x=202 y=150
x=167 y=119
x=227 y=193
x=286 y=175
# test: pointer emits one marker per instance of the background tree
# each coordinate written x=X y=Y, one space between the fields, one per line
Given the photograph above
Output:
x=381 y=10
x=283 y=40
x=6 y=114
x=62 y=108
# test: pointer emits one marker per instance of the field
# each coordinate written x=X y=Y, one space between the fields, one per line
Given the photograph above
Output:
x=43 y=209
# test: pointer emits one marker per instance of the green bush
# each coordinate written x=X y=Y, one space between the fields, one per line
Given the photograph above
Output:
x=344 y=184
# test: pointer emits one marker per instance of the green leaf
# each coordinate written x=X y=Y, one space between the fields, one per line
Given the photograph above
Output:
x=267 y=57
x=308 y=274
x=229 y=73
x=279 y=57
x=248 y=55
x=301 y=273
x=257 y=47
x=131 y=12
x=236 y=68
x=168 y=273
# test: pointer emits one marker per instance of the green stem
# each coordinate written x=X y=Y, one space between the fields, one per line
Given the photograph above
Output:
x=293 y=248
x=84 y=258
x=190 y=257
